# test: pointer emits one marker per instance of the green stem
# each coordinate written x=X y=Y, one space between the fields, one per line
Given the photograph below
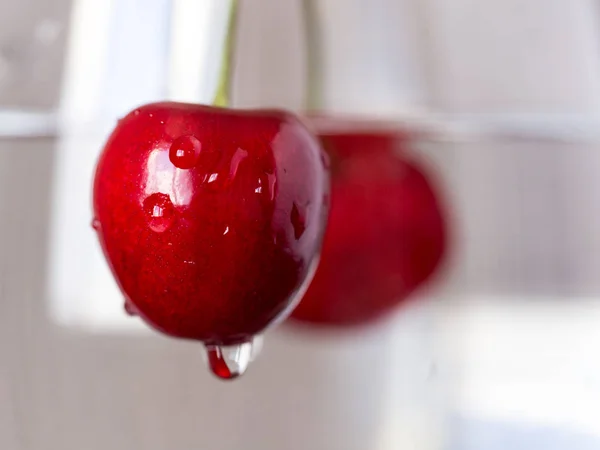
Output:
x=222 y=96
x=314 y=75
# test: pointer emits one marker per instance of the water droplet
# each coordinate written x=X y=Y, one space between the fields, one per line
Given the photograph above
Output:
x=185 y=152
x=136 y=112
x=226 y=231
x=96 y=225
x=160 y=211
x=236 y=160
x=129 y=308
x=228 y=362
x=298 y=218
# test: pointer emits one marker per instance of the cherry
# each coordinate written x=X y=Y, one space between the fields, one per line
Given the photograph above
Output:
x=386 y=233
x=210 y=219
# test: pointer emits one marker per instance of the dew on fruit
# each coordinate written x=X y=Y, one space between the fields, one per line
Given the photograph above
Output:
x=228 y=362
x=298 y=219
x=226 y=231
x=160 y=211
x=185 y=152
x=213 y=177
x=129 y=308
x=96 y=224
x=136 y=112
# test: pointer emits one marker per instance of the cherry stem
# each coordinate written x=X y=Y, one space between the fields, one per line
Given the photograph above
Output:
x=314 y=75
x=222 y=96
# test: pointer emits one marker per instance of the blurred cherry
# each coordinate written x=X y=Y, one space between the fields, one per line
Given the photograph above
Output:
x=386 y=233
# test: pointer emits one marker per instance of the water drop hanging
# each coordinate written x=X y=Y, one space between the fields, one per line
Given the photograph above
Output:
x=229 y=362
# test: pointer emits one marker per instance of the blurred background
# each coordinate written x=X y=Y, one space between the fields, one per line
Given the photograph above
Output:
x=498 y=350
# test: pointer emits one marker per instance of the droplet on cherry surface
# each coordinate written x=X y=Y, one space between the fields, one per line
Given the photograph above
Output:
x=185 y=152
x=129 y=308
x=228 y=362
x=160 y=212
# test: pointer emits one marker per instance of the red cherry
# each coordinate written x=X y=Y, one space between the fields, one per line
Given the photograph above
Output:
x=386 y=233
x=210 y=218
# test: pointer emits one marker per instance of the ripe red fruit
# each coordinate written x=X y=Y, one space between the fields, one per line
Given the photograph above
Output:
x=210 y=218
x=386 y=233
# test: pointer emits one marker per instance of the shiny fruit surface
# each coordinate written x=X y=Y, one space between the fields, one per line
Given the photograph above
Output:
x=211 y=219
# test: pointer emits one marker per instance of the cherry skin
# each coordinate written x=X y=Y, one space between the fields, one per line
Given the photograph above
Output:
x=386 y=233
x=210 y=219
